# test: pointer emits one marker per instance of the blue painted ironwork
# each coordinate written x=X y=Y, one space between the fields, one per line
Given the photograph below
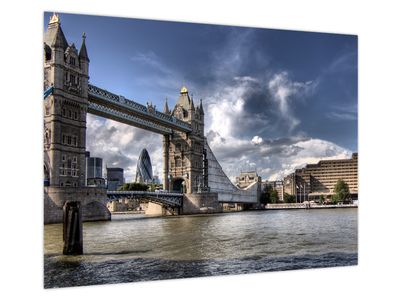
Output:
x=129 y=107
x=48 y=92
x=110 y=113
x=162 y=198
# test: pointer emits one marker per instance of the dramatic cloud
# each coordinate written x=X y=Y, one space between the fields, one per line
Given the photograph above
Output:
x=255 y=109
x=284 y=90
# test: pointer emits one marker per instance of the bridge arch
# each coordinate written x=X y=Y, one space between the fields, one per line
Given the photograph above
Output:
x=179 y=185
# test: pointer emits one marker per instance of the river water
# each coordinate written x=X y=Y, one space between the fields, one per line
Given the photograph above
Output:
x=137 y=248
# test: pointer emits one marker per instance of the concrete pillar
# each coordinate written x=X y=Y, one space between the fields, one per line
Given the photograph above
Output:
x=72 y=227
x=166 y=161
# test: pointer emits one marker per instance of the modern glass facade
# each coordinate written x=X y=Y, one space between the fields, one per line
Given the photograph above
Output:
x=144 y=171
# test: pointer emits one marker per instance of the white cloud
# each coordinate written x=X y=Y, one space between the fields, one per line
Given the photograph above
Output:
x=256 y=140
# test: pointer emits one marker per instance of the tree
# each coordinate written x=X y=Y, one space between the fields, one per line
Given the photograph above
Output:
x=289 y=198
x=135 y=186
x=342 y=192
x=273 y=196
x=321 y=199
x=265 y=195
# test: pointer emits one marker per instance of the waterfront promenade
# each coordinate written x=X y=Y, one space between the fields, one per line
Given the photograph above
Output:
x=307 y=206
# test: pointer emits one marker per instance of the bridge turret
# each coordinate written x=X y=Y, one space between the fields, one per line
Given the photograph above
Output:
x=186 y=149
x=55 y=45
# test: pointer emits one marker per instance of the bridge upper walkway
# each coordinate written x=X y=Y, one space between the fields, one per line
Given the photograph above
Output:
x=121 y=109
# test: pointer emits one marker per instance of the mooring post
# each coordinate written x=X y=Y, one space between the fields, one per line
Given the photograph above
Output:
x=73 y=244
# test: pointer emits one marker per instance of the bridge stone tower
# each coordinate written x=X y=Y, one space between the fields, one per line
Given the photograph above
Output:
x=186 y=150
x=65 y=109
x=66 y=71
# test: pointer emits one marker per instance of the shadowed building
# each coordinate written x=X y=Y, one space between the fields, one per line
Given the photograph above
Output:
x=144 y=171
x=115 y=178
x=94 y=171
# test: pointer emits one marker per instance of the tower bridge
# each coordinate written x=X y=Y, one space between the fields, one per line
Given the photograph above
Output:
x=190 y=168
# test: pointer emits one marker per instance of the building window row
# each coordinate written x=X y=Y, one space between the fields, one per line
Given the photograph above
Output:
x=70 y=140
x=68 y=113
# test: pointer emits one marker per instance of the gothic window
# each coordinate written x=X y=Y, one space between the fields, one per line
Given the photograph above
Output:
x=178 y=162
x=69 y=139
x=63 y=157
x=63 y=138
x=70 y=114
x=62 y=184
x=75 y=142
x=75 y=115
x=64 y=112
x=72 y=61
x=72 y=78
x=74 y=159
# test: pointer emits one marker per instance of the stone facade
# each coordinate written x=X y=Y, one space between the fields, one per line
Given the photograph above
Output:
x=247 y=178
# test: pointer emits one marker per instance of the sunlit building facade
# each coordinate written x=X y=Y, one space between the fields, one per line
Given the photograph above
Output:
x=316 y=180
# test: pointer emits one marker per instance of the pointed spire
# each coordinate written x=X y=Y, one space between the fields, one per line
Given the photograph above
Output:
x=166 y=109
x=83 y=52
x=201 y=106
x=191 y=103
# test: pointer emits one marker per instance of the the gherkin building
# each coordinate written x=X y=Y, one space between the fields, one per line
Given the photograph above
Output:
x=144 y=171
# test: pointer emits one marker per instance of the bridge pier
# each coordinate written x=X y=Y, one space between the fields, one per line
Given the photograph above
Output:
x=198 y=203
x=154 y=209
x=72 y=228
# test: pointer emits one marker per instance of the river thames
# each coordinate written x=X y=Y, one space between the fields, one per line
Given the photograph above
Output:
x=137 y=248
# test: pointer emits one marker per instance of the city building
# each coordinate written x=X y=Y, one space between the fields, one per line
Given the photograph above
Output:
x=247 y=178
x=316 y=180
x=276 y=186
x=115 y=178
x=94 y=171
x=144 y=170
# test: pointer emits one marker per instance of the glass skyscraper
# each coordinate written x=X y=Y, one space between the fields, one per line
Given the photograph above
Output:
x=144 y=171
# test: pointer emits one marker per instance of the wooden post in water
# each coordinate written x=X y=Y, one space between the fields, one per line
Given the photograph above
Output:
x=72 y=235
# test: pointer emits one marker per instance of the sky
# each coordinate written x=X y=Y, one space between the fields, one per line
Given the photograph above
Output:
x=274 y=100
